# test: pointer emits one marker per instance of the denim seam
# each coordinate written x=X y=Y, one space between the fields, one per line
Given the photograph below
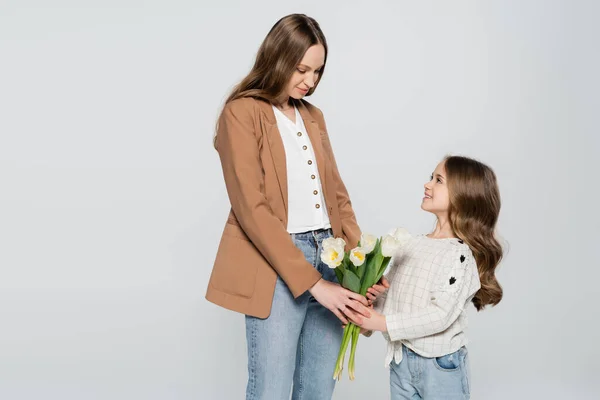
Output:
x=465 y=377
x=318 y=249
x=253 y=359
x=301 y=374
x=254 y=341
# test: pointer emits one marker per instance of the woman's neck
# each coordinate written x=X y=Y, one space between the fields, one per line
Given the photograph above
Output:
x=283 y=103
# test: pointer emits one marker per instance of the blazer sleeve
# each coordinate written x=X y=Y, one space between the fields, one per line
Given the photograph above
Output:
x=350 y=228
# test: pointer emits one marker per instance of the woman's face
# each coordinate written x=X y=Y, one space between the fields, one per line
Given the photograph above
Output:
x=307 y=72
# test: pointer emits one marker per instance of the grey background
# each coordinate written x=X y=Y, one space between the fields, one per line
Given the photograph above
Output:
x=112 y=200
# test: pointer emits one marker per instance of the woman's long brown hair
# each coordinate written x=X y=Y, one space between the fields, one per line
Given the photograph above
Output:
x=278 y=57
x=473 y=214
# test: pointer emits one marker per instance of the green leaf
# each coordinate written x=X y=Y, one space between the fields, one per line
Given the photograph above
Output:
x=339 y=273
x=343 y=266
x=351 y=282
x=373 y=269
x=360 y=271
x=352 y=268
x=368 y=278
x=348 y=266
x=346 y=258
x=383 y=267
x=369 y=257
x=384 y=264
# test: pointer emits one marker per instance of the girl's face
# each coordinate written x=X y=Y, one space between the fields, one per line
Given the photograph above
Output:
x=436 y=198
x=307 y=72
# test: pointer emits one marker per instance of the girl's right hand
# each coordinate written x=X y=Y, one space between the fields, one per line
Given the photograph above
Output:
x=340 y=301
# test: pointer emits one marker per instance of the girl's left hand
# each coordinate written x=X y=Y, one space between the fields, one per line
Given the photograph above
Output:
x=376 y=322
x=377 y=289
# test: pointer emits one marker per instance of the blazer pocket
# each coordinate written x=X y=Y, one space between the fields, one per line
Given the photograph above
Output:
x=236 y=263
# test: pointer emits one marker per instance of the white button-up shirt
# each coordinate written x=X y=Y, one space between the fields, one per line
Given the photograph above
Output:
x=306 y=204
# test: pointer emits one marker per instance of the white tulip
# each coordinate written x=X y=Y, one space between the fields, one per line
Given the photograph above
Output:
x=367 y=242
x=401 y=235
x=357 y=256
x=332 y=257
x=338 y=243
x=389 y=244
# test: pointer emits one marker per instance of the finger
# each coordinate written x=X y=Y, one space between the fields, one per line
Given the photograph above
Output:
x=385 y=282
x=352 y=315
x=377 y=291
x=360 y=309
x=340 y=317
x=358 y=321
x=371 y=297
x=357 y=297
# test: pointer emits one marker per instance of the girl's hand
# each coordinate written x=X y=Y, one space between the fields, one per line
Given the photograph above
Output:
x=376 y=322
x=377 y=289
x=363 y=331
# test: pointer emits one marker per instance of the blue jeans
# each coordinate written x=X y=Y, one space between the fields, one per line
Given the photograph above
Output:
x=298 y=343
x=438 y=378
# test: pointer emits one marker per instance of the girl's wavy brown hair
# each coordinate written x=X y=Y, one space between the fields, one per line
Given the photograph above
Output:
x=473 y=213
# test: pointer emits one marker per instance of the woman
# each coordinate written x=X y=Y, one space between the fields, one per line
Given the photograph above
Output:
x=286 y=197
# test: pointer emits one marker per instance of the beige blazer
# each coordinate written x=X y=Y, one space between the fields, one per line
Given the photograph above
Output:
x=255 y=246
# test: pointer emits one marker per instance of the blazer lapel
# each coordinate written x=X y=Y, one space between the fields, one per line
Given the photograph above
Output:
x=277 y=151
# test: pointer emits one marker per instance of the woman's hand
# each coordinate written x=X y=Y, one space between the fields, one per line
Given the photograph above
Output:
x=376 y=322
x=377 y=289
x=342 y=302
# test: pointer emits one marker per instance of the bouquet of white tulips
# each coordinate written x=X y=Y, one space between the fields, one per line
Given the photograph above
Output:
x=358 y=270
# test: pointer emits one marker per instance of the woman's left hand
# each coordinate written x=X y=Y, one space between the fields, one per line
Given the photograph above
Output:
x=376 y=322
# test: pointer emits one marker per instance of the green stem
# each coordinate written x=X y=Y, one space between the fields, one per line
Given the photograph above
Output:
x=355 y=337
x=339 y=365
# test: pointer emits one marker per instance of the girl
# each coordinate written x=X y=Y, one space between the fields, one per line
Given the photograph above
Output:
x=432 y=280
x=286 y=197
